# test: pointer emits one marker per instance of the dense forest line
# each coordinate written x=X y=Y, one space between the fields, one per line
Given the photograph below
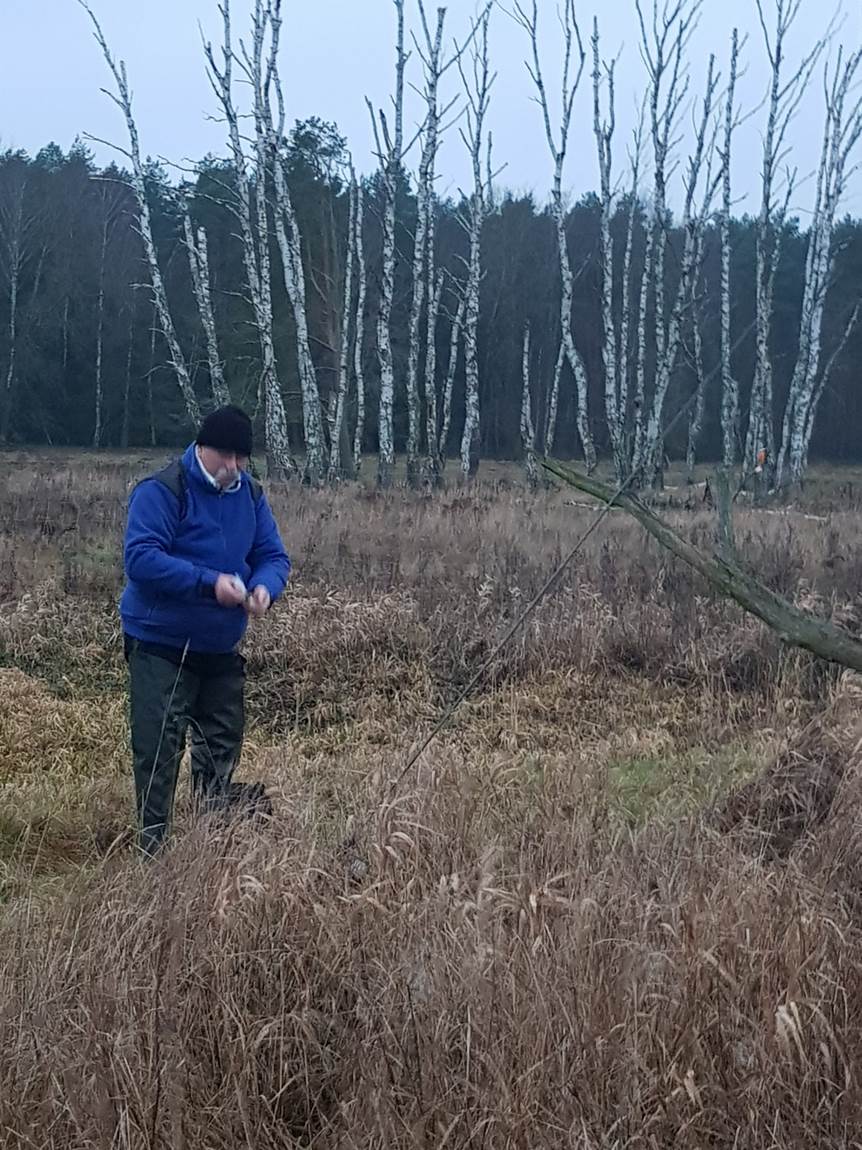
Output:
x=371 y=315
x=72 y=228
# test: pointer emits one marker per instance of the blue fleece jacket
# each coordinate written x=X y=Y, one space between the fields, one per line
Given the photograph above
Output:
x=172 y=561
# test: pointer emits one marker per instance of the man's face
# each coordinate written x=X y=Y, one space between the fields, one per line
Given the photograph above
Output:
x=223 y=466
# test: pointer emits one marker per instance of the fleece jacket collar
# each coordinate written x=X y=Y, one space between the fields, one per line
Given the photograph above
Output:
x=197 y=464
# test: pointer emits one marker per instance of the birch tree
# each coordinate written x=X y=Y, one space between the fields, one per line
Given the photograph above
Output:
x=784 y=98
x=823 y=383
x=729 y=385
x=336 y=464
x=604 y=128
x=698 y=294
x=198 y=253
x=359 y=337
x=123 y=100
x=433 y=469
x=255 y=242
x=271 y=139
x=663 y=48
x=842 y=131
x=528 y=434
x=623 y=357
x=558 y=145
x=390 y=148
x=452 y=367
x=423 y=245
x=478 y=100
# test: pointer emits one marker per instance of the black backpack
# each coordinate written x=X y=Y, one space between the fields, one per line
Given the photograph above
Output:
x=173 y=476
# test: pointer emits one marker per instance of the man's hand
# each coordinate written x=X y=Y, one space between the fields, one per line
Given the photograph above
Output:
x=228 y=592
x=258 y=602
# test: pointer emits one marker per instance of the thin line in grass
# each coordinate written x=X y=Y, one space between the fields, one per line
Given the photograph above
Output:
x=549 y=584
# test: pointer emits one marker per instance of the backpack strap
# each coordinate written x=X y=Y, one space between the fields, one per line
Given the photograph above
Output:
x=173 y=476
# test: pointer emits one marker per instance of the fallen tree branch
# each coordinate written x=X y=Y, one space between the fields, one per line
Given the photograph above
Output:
x=794 y=627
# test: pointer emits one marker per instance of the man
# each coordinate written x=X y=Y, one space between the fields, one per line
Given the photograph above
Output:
x=202 y=554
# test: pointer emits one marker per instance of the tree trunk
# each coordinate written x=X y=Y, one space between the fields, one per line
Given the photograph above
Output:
x=528 y=435
x=100 y=331
x=359 y=339
x=200 y=270
x=390 y=160
x=479 y=99
x=336 y=464
x=432 y=469
x=784 y=99
x=269 y=150
x=454 y=343
x=571 y=39
x=794 y=627
x=696 y=421
x=124 y=102
x=255 y=247
x=604 y=133
x=470 y=437
x=729 y=386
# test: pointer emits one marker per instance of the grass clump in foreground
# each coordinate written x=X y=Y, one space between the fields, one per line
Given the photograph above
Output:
x=558 y=931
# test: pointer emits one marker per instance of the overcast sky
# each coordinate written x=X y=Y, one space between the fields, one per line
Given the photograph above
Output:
x=335 y=52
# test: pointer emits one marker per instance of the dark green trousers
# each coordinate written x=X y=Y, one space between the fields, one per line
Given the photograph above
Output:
x=172 y=697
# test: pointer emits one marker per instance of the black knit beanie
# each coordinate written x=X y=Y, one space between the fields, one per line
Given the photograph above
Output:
x=227 y=429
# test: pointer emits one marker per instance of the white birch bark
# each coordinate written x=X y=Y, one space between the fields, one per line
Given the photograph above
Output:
x=124 y=103
x=336 y=464
x=638 y=430
x=478 y=99
x=729 y=385
x=359 y=337
x=275 y=419
x=255 y=244
x=390 y=163
x=529 y=19
x=696 y=305
x=604 y=133
x=423 y=246
x=290 y=247
x=663 y=50
x=783 y=101
x=698 y=291
x=198 y=253
x=842 y=132
x=528 y=435
x=821 y=386
x=433 y=467
x=452 y=367
x=625 y=366
x=554 y=399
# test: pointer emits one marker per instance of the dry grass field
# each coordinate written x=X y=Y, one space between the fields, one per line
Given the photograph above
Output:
x=615 y=906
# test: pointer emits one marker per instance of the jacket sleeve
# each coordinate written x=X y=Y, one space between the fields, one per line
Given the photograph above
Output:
x=269 y=562
x=150 y=530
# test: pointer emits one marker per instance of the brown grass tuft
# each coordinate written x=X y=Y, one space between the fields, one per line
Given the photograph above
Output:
x=538 y=939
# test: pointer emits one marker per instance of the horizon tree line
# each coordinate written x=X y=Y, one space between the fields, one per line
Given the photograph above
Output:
x=275 y=276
